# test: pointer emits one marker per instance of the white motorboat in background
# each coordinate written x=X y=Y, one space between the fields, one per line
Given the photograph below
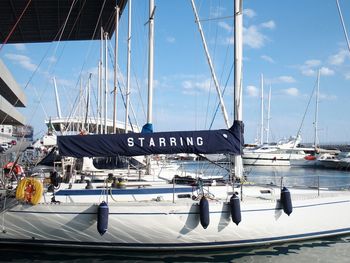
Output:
x=279 y=154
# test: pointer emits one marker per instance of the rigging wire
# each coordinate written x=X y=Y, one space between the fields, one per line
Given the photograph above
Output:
x=307 y=108
x=343 y=25
x=15 y=25
x=223 y=92
x=211 y=80
x=72 y=113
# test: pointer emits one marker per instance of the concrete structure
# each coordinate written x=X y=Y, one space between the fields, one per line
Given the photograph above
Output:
x=11 y=96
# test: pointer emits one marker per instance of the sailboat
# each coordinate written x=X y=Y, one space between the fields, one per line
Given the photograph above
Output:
x=272 y=154
x=151 y=216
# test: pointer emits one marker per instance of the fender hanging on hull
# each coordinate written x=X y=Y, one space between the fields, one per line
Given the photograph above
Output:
x=235 y=208
x=286 y=201
x=204 y=212
x=102 y=218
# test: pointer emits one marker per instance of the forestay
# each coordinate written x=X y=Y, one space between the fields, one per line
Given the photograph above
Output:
x=133 y=144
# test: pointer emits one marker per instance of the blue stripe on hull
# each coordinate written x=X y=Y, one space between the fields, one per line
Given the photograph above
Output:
x=179 y=246
x=137 y=191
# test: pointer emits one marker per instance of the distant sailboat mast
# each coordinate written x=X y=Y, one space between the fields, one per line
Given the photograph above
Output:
x=268 y=117
x=106 y=83
x=58 y=105
x=316 y=140
x=262 y=110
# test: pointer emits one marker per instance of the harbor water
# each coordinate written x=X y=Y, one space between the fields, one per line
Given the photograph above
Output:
x=331 y=249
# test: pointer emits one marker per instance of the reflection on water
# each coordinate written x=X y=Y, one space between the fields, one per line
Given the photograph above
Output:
x=322 y=250
x=292 y=176
x=296 y=176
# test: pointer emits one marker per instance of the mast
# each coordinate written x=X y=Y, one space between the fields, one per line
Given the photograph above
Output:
x=116 y=35
x=262 y=110
x=106 y=80
x=222 y=104
x=100 y=83
x=147 y=128
x=127 y=93
x=150 y=62
x=268 y=117
x=238 y=50
x=316 y=141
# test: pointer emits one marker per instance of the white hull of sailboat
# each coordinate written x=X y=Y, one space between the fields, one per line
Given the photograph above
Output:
x=270 y=159
x=176 y=226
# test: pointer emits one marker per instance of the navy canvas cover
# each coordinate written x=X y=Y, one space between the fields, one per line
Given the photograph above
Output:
x=133 y=144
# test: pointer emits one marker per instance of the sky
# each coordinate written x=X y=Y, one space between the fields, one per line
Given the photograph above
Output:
x=285 y=41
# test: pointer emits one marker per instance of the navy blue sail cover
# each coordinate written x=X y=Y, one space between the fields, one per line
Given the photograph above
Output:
x=133 y=144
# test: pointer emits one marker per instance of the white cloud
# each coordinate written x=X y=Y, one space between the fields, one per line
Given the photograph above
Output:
x=216 y=11
x=291 y=91
x=249 y=13
x=267 y=58
x=310 y=67
x=326 y=71
x=20 y=47
x=286 y=79
x=225 y=26
x=281 y=79
x=327 y=97
x=22 y=60
x=170 y=39
x=339 y=58
x=52 y=59
x=308 y=72
x=269 y=24
x=252 y=91
x=64 y=82
x=347 y=75
x=312 y=63
x=253 y=37
x=191 y=86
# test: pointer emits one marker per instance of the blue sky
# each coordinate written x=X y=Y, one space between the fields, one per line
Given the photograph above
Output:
x=286 y=41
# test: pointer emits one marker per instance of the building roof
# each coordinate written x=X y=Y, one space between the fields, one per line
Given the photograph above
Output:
x=43 y=20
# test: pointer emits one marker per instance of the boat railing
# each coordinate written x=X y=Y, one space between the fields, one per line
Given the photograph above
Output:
x=318 y=182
